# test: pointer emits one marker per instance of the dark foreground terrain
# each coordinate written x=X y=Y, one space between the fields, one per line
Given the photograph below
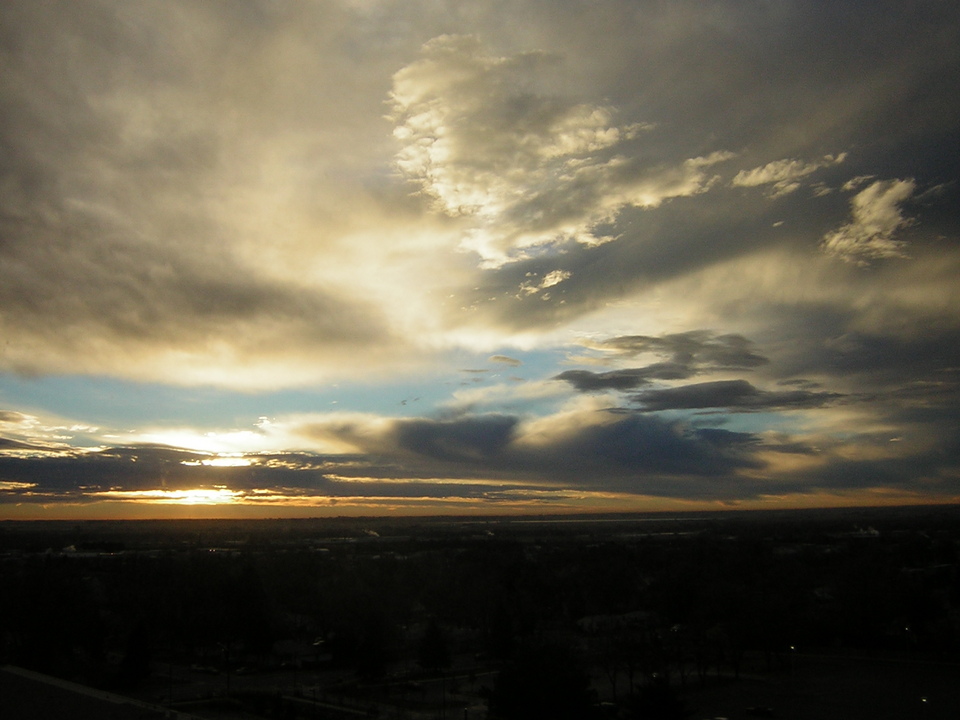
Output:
x=826 y=614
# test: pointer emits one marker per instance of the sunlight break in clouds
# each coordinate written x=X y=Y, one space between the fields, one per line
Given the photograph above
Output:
x=199 y=496
x=314 y=256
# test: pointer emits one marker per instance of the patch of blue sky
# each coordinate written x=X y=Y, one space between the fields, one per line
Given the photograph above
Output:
x=124 y=404
x=116 y=402
x=121 y=403
x=755 y=423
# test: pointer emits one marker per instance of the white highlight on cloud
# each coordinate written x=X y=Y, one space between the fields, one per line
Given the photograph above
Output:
x=555 y=277
x=854 y=183
x=230 y=460
x=524 y=169
x=217 y=495
x=506 y=396
x=31 y=436
x=876 y=217
x=784 y=174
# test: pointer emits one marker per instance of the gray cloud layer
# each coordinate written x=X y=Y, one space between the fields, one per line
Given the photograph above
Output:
x=733 y=395
x=737 y=223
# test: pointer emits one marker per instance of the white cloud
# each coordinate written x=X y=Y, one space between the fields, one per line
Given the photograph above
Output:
x=525 y=168
x=784 y=174
x=505 y=396
x=31 y=435
x=854 y=183
x=555 y=277
x=876 y=218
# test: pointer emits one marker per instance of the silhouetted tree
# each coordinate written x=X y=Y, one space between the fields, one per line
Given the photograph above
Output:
x=656 y=701
x=502 y=637
x=135 y=666
x=434 y=654
x=373 y=649
x=544 y=680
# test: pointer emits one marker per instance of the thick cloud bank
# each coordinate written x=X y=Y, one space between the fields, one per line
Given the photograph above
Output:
x=448 y=256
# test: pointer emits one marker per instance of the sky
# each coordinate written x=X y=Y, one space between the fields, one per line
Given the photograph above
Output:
x=372 y=257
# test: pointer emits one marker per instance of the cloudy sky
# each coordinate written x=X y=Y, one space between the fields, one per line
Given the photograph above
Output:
x=264 y=258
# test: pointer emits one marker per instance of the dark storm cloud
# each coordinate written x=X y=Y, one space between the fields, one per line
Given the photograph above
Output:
x=488 y=458
x=76 y=473
x=462 y=440
x=790 y=92
x=635 y=447
x=8 y=444
x=901 y=379
x=786 y=77
x=76 y=476
x=694 y=349
x=145 y=472
x=733 y=395
x=586 y=381
x=884 y=360
x=597 y=451
x=931 y=471
x=687 y=354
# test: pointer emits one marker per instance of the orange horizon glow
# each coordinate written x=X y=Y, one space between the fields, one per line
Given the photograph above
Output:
x=220 y=503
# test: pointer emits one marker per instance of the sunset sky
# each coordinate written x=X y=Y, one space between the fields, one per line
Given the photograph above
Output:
x=342 y=257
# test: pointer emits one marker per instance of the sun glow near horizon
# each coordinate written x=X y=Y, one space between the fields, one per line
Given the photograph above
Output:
x=217 y=495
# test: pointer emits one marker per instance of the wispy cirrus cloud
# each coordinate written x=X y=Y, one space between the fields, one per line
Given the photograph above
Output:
x=877 y=216
x=784 y=175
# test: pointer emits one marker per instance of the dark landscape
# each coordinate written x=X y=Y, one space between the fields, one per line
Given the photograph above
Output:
x=787 y=614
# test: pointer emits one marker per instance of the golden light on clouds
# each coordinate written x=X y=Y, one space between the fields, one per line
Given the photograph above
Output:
x=197 y=496
x=411 y=257
x=221 y=461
